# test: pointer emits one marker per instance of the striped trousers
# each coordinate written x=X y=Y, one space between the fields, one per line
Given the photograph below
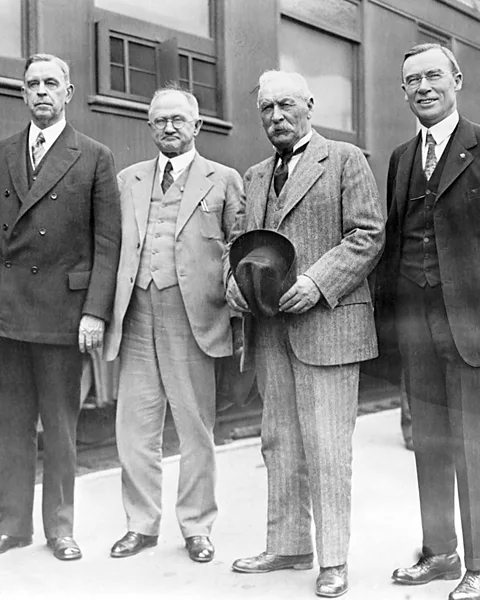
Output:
x=308 y=420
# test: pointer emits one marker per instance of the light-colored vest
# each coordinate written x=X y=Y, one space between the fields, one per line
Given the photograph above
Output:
x=274 y=209
x=157 y=260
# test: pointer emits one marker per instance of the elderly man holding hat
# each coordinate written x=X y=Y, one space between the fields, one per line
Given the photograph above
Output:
x=308 y=235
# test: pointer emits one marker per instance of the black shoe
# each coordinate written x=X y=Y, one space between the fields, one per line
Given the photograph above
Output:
x=200 y=548
x=332 y=581
x=132 y=543
x=264 y=563
x=7 y=542
x=428 y=568
x=64 y=548
x=468 y=588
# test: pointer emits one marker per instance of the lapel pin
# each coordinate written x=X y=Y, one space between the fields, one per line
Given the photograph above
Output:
x=463 y=156
x=182 y=188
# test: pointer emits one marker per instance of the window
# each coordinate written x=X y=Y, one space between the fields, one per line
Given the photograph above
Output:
x=18 y=40
x=175 y=43
x=11 y=19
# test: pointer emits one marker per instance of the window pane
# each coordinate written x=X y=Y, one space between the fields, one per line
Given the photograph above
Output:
x=142 y=84
x=11 y=20
x=184 y=84
x=204 y=72
x=183 y=67
x=191 y=16
x=141 y=56
x=206 y=98
x=116 y=51
x=118 y=79
x=327 y=64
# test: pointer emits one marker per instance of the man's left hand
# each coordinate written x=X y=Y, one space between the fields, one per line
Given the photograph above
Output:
x=302 y=296
x=90 y=333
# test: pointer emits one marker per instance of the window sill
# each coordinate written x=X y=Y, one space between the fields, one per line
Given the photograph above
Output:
x=139 y=110
x=10 y=87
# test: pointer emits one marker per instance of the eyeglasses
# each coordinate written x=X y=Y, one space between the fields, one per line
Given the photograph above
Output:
x=177 y=123
x=414 y=81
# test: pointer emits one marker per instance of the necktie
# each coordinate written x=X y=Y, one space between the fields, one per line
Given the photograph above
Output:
x=167 y=177
x=38 y=150
x=431 y=160
x=281 y=172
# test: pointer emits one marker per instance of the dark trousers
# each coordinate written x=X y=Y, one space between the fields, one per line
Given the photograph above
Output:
x=445 y=404
x=38 y=379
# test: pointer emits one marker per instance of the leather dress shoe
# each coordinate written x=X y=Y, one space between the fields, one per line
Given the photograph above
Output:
x=332 y=581
x=132 y=543
x=64 y=548
x=200 y=548
x=468 y=588
x=7 y=542
x=428 y=568
x=264 y=563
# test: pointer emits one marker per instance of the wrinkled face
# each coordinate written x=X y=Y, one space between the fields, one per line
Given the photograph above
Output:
x=285 y=113
x=174 y=107
x=46 y=93
x=430 y=86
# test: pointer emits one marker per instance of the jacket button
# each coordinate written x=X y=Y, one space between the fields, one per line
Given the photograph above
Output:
x=53 y=196
x=138 y=244
x=5 y=226
x=34 y=270
x=42 y=231
x=8 y=264
x=7 y=193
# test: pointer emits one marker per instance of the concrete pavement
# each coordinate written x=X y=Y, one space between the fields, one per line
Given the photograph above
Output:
x=385 y=535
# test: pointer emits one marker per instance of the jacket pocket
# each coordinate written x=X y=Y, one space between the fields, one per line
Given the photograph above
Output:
x=79 y=280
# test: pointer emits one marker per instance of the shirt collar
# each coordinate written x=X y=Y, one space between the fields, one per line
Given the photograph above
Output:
x=441 y=131
x=304 y=140
x=49 y=133
x=179 y=163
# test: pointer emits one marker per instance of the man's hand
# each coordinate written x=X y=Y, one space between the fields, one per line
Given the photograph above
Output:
x=90 y=333
x=302 y=296
x=234 y=296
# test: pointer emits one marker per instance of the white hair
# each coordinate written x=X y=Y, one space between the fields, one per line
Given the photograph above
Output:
x=298 y=80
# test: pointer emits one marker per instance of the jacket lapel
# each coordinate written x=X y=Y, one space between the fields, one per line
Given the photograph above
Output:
x=141 y=194
x=60 y=158
x=306 y=173
x=459 y=156
x=197 y=187
x=259 y=189
x=404 y=170
x=17 y=165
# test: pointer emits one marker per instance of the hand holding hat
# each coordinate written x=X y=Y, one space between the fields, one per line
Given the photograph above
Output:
x=302 y=296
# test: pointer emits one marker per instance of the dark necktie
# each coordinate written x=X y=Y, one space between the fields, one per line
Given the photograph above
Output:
x=38 y=150
x=167 y=177
x=281 y=172
x=431 y=159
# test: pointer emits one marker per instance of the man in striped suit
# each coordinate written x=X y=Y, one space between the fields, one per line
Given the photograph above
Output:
x=322 y=196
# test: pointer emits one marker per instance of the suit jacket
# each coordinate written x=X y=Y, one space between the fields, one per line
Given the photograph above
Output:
x=59 y=240
x=200 y=238
x=333 y=216
x=456 y=216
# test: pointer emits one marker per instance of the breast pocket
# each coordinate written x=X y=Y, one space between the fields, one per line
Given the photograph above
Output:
x=211 y=219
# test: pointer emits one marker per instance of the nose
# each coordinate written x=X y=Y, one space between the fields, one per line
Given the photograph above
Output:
x=277 y=114
x=424 y=84
x=169 y=126
x=41 y=89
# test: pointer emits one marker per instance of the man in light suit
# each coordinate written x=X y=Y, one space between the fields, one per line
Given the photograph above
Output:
x=170 y=322
x=428 y=289
x=308 y=357
x=59 y=249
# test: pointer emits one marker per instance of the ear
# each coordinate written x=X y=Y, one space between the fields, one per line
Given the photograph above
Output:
x=70 y=91
x=198 y=126
x=24 y=94
x=458 y=77
x=405 y=92
x=310 y=105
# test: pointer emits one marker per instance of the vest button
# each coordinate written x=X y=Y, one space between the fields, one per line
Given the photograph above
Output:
x=42 y=231
x=5 y=226
x=7 y=193
x=53 y=196
x=426 y=240
x=8 y=264
x=34 y=270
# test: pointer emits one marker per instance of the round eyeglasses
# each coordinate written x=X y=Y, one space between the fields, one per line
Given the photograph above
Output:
x=177 y=123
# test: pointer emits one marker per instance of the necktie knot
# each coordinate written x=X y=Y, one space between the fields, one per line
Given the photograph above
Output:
x=281 y=172
x=167 y=177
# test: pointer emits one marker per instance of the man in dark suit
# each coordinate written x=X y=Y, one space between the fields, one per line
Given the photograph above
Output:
x=428 y=296
x=59 y=248
x=322 y=196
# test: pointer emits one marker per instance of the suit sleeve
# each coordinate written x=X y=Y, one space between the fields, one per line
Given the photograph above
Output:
x=106 y=237
x=343 y=268
x=233 y=217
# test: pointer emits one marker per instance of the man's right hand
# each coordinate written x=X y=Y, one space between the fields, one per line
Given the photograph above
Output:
x=234 y=296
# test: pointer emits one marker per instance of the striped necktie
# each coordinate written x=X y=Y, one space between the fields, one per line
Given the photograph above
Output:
x=431 y=160
x=167 y=177
x=38 y=150
x=281 y=172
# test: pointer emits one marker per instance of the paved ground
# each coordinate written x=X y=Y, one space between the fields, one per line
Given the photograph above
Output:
x=385 y=534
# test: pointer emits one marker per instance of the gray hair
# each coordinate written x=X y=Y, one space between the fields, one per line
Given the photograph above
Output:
x=298 y=80
x=419 y=48
x=192 y=101
x=48 y=58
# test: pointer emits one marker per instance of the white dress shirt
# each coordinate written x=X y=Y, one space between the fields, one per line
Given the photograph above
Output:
x=179 y=163
x=49 y=133
x=441 y=133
